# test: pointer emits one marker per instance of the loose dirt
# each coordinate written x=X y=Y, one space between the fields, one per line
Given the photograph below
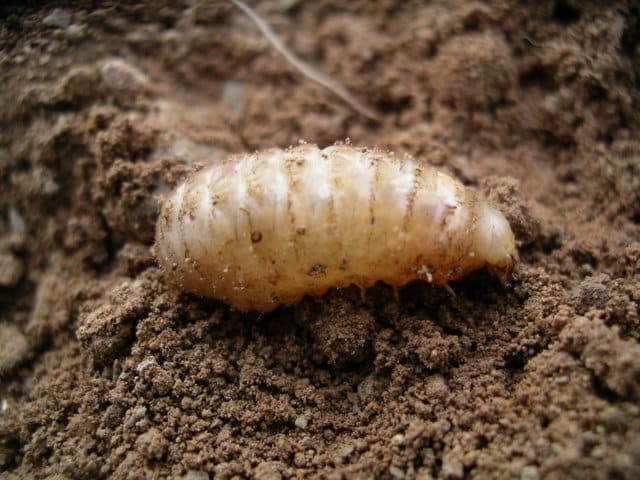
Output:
x=107 y=372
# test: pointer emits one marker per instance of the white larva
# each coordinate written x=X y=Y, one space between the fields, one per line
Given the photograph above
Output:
x=262 y=230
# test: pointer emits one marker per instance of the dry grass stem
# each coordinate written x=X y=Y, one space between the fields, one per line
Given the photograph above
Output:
x=306 y=69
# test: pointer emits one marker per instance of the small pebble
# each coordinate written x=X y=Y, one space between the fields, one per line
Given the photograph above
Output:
x=121 y=77
x=301 y=422
x=346 y=450
x=233 y=95
x=396 y=472
x=76 y=31
x=16 y=221
x=59 y=18
x=529 y=472
x=367 y=388
x=196 y=475
x=137 y=415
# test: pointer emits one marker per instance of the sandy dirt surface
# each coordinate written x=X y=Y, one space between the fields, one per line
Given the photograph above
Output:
x=107 y=372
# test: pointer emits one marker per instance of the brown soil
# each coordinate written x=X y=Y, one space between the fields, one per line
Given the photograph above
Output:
x=106 y=372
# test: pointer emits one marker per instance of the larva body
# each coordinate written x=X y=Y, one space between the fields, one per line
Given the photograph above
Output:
x=266 y=229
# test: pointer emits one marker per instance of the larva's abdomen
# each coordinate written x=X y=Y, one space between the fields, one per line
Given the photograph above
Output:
x=261 y=230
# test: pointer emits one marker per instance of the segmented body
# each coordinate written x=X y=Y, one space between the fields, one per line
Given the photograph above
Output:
x=266 y=229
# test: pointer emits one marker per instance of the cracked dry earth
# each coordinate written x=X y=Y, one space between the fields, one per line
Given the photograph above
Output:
x=107 y=372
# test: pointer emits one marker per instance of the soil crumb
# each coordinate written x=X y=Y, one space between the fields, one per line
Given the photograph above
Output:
x=107 y=372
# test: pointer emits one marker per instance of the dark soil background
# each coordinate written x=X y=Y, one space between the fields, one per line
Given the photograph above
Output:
x=107 y=372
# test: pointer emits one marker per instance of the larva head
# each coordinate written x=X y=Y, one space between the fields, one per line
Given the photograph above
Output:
x=494 y=242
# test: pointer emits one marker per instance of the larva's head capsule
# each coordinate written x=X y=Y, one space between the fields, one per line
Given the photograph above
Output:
x=494 y=242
